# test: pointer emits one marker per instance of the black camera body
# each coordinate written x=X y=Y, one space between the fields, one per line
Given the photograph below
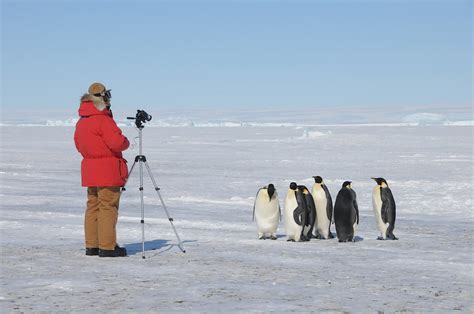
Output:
x=141 y=117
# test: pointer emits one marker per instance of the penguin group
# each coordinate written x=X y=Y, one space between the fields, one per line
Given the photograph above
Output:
x=309 y=215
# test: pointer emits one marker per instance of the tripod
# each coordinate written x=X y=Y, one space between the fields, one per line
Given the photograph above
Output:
x=141 y=160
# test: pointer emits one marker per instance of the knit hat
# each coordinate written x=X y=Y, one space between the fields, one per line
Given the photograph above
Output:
x=96 y=88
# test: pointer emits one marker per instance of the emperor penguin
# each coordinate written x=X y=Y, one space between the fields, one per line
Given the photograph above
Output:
x=346 y=213
x=266 y=212
x=323 y=203
x=384 y=209
x=310 y=212
x=295 y=214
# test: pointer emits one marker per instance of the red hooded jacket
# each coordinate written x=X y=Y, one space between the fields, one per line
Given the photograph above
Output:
x=100 y=143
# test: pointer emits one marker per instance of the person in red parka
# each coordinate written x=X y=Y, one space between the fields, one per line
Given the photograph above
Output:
x=103 y=170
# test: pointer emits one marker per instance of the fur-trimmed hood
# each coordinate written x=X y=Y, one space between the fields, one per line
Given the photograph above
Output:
x=89 y=108
x=99 y=102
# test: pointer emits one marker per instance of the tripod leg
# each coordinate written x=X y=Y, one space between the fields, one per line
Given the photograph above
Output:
x=157 y=189
x=142 y=208
x=141 y=198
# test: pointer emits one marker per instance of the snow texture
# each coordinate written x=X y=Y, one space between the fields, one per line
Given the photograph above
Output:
x=208 y=178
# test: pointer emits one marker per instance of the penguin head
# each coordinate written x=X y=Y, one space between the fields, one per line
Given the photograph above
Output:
x=293 y=186
x=318 y=179
x=380 y=181
x=271 y=190
x=347 y=184
x=303 y=189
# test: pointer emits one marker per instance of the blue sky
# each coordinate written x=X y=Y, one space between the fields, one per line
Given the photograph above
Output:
x=237 y=54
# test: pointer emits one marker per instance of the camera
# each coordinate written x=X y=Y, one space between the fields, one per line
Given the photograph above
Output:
x=141 y=117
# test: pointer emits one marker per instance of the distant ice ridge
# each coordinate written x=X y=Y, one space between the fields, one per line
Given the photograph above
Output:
x=311 y=134
x=213 y=124
x=68 y=122
x=416 y=119
x=171 y=123
x=425 y=118
x=460 y=123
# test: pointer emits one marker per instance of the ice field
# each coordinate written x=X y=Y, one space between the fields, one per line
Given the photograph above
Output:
x=209 y=175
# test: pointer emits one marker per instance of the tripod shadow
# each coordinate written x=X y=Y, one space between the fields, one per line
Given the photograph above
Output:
x=154 y=245
x=134 y=248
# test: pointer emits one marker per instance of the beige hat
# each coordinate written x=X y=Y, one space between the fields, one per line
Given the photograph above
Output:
x=96 y=88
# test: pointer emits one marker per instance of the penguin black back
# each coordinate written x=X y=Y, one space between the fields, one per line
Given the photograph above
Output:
x=301 y=213
x=346 y=213
x=310 y=211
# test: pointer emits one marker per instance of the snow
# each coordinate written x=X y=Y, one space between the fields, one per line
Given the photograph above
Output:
x=208 y=179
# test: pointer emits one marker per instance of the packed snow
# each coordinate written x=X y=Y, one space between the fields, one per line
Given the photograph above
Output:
x=208 y=179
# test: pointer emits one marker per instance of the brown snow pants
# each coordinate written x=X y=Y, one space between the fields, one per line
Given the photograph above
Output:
x=101 y=217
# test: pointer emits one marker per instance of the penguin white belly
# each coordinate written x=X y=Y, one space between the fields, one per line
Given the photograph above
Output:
x=322 y=221
x=377 y=205
x=267 y=215
x=292 y=229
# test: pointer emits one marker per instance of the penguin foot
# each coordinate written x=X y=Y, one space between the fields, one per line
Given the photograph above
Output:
x=392 y=237
x=318 y=237
x=304 y=239
x=290 y=240
x=380 y=238
x=273 y=237
x=347 y=240
x=331 y=236
x=262 y=238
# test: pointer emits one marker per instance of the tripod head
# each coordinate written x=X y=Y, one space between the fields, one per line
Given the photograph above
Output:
x=140 y=118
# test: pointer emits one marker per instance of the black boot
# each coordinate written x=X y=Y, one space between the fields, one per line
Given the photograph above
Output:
x=117 y=252
x=92 y=251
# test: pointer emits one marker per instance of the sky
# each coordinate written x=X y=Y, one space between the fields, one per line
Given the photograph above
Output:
x=237 y=54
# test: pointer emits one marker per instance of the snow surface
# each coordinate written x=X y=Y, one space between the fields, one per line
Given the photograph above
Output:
x=208 y=179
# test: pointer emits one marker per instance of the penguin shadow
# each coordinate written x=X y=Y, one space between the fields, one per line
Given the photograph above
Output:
x=154 y=245
x=355 y=239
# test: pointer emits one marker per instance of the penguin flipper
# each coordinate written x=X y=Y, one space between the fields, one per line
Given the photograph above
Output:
x=253 y=215
x=329 y=208
x=357 y=210
x=256 y=196
x=386 y=204
x=311 y=213
x=297 y=215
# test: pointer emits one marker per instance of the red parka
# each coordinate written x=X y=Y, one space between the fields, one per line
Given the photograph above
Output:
x=100 y=142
